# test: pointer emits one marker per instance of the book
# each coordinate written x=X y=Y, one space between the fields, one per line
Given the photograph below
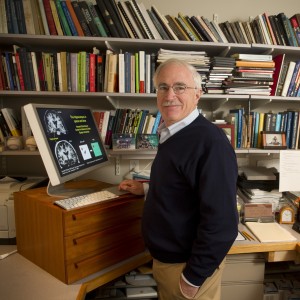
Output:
x=13 y=120
x=279 y=62
x=81 y=19
x=43 y=16
x=180 y=33
x=69 y=18
x=98 y=22
x=270 y=232
x=111 y=5
x=4 y=126
x=108 y=19
x=20 y=16
x=288 y=77
x=89 y=18
x=56 y=18
x=164 y=23
x=3 y=18
x=130 y=20
x=158 y=25
x=138 y=21
x=49 y=17
x=141 y=18
x=62 y=17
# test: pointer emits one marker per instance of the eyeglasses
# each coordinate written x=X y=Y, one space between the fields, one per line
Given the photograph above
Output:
x=178 y=89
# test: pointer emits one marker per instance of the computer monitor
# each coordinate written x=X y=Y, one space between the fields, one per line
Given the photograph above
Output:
x=68 y=141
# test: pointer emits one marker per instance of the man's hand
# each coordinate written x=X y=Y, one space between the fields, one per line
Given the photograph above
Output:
x=133 y=186
x=188 y=291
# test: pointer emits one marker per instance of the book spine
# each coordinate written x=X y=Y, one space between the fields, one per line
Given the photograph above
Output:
x=63 y=19
x=141 y=64
x=43 y=17
x=81 y=18
x=56 y=18
x=92 y=72
x=74 y=18
x=97 y=20
x=88 y=18
x=20 y=16
x=69 y=19
x=20 y=74
x=49 y=17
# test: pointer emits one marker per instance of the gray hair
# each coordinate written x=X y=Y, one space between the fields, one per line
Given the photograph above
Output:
x=196 y=76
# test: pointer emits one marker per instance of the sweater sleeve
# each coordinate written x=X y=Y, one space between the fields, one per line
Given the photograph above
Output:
x=215 y=181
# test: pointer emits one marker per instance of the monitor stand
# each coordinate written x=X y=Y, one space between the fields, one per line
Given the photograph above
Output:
x=62 y=191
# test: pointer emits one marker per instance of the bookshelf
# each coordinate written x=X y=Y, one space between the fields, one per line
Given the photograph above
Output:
x=212 y=104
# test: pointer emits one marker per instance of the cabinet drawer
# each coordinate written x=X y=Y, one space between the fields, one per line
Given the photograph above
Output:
x=82 y=244
x=96 y=262
x=102 y=216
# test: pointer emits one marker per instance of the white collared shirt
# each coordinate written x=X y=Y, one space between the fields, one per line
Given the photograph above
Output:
x=166 y=132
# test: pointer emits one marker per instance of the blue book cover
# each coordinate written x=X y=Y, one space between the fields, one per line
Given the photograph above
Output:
x=278 y=121
x=156 y=123
x=238 y=125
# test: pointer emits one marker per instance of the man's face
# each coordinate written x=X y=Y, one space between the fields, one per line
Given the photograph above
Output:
x=175 y=107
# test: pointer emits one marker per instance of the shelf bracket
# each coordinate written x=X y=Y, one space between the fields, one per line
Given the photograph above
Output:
x=218 y=103
x=225 y=51
x=117 y=165
x=111 y=101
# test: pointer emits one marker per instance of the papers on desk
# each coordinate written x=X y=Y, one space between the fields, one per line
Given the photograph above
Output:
x=270 y=232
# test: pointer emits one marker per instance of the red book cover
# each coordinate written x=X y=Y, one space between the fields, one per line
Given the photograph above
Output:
x=49 y=17
x=20 y=74
x=279 y=60
x=92 y=71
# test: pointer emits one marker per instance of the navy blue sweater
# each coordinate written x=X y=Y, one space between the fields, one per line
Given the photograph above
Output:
x=190 y=213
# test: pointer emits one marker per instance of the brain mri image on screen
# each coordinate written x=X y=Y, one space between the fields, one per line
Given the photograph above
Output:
x=66 y=155
x=54 y=123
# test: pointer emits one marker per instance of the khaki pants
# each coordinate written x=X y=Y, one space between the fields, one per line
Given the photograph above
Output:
x=167 y=278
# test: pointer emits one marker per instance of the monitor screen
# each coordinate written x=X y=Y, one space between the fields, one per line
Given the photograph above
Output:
x=68 y=141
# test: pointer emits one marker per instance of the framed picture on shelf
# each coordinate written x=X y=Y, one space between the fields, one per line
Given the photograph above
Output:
x=273 y=140
x=123 y=141
x=229 y=131
x=147 y=141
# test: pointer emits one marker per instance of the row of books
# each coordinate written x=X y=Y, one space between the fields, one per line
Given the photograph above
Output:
x=77 y=72
x=128 y=72
x=126 y=123
x=130 y=19
x=248 y=128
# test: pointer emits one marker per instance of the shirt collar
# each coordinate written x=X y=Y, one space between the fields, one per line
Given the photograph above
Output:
x=172 y=129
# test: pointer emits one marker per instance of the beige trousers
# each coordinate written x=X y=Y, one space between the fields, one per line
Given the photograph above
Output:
x=167 y=278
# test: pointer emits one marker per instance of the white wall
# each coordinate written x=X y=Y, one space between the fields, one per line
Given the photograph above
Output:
x=227 y=10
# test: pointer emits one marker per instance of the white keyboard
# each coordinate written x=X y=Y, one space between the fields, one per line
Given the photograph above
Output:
x=83 y=200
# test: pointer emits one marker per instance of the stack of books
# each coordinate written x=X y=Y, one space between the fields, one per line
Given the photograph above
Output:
x=220 y=69
x=198 y=59
x=253 y=75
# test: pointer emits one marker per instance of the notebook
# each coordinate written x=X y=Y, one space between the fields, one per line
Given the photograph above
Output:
x=270 y=232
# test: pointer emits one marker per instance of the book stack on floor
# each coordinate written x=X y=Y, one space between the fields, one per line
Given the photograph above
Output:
x=220 y=69
x=253 y=75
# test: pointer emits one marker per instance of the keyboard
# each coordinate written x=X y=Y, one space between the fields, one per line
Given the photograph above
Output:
x=84 y=200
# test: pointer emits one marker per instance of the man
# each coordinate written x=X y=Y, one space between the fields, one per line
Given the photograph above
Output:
x=190 y=215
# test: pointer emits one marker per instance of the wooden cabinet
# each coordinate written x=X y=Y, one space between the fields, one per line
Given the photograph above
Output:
x=73 y=244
